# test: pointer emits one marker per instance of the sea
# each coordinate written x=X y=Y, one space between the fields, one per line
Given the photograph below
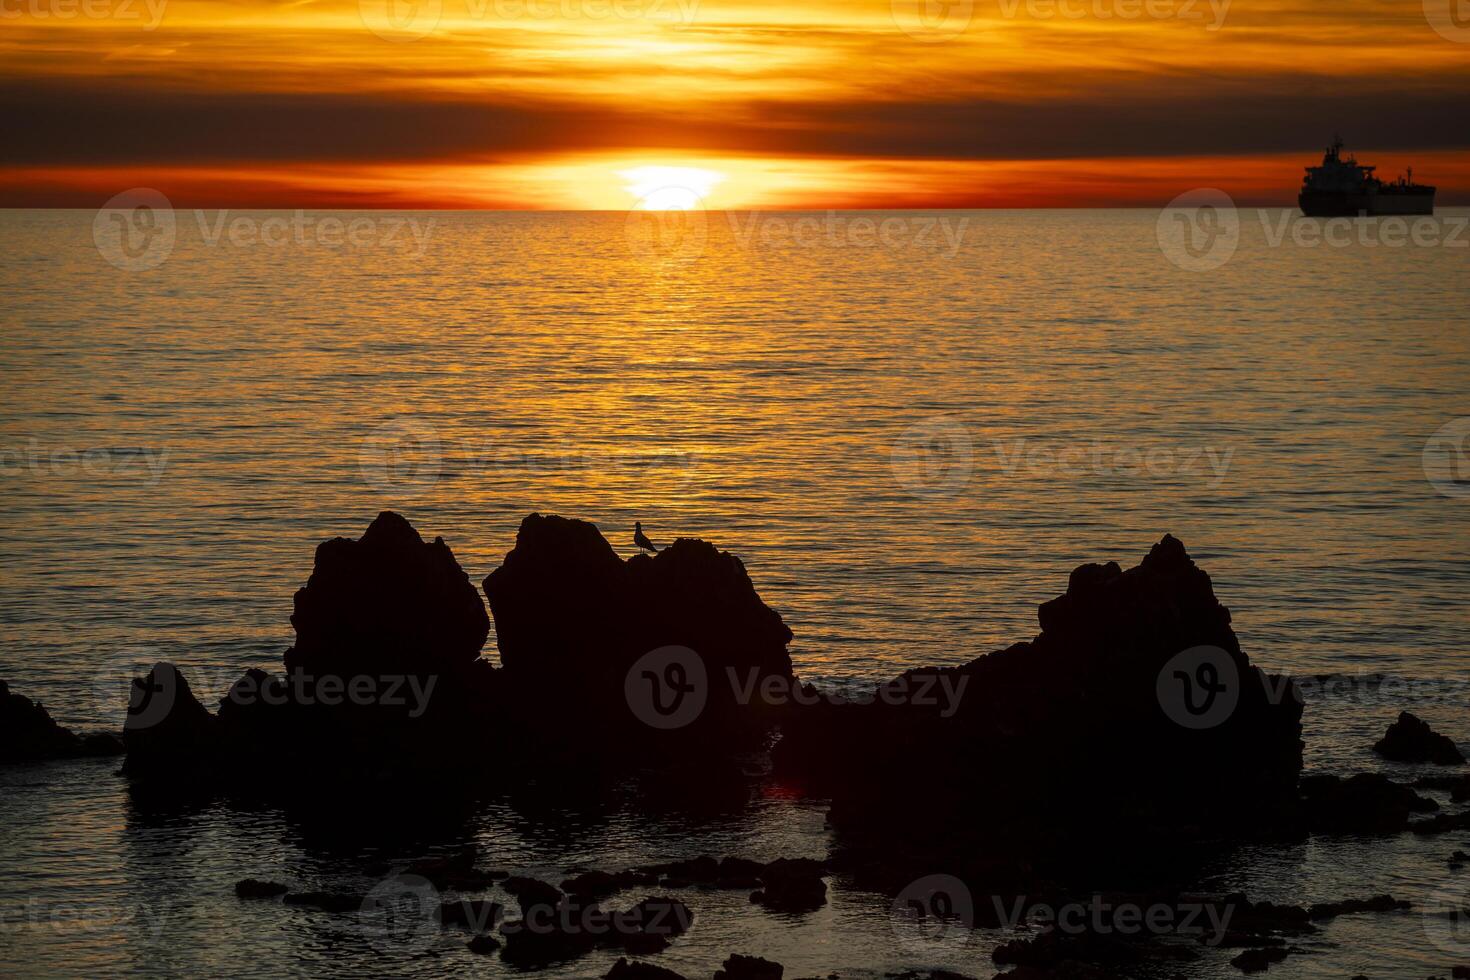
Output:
x=910 y=426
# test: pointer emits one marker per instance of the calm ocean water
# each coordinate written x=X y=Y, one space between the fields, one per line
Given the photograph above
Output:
x=911 y=432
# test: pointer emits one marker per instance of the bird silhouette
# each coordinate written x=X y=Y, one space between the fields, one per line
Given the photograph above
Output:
x=641 y=539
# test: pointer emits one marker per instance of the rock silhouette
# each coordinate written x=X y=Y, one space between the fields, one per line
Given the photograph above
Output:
x=1366 y=803
x=168 y=733
x=738 y=966
x=28 y=733
x=386 y=603
x=572 y=618
x=1411 y=740
x=385 y=672
x=1078 y=713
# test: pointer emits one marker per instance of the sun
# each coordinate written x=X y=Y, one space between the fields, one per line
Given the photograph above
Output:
x=669 y=188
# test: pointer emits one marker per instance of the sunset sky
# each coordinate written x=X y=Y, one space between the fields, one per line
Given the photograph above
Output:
x=802 y=103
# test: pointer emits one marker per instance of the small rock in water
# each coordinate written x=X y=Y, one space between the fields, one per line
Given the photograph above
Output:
x=483 y=944
x=1257 y=960
x=792 y=885
x=636 y=970
x=251 y=888
x=1411 y=740
x=738 y=967
x=1378 y=903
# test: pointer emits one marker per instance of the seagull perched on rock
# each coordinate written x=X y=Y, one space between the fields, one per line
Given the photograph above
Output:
x=641 y=539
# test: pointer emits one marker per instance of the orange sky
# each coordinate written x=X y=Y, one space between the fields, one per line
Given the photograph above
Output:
x=821 y=103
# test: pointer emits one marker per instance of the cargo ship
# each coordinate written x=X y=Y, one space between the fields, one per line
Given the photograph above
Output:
x=1343 y=186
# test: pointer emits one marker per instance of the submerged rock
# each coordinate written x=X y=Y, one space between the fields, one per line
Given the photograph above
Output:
x=1411 y=740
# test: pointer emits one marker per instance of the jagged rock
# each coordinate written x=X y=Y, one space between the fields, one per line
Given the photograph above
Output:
x=483 y=944
x=1411 y=740
x=386 y=603
x=384 y=675
x=251 y=888
x=168 y=733
x=1366 y=803
x=572 y=619
x=741 y=967
x=27 y=731
x=1079 y=713
x=636 y=970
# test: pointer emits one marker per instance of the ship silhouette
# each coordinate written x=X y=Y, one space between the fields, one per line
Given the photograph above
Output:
x=1343 y=186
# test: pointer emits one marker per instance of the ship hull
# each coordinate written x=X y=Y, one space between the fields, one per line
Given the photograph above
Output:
x=1341 y=204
